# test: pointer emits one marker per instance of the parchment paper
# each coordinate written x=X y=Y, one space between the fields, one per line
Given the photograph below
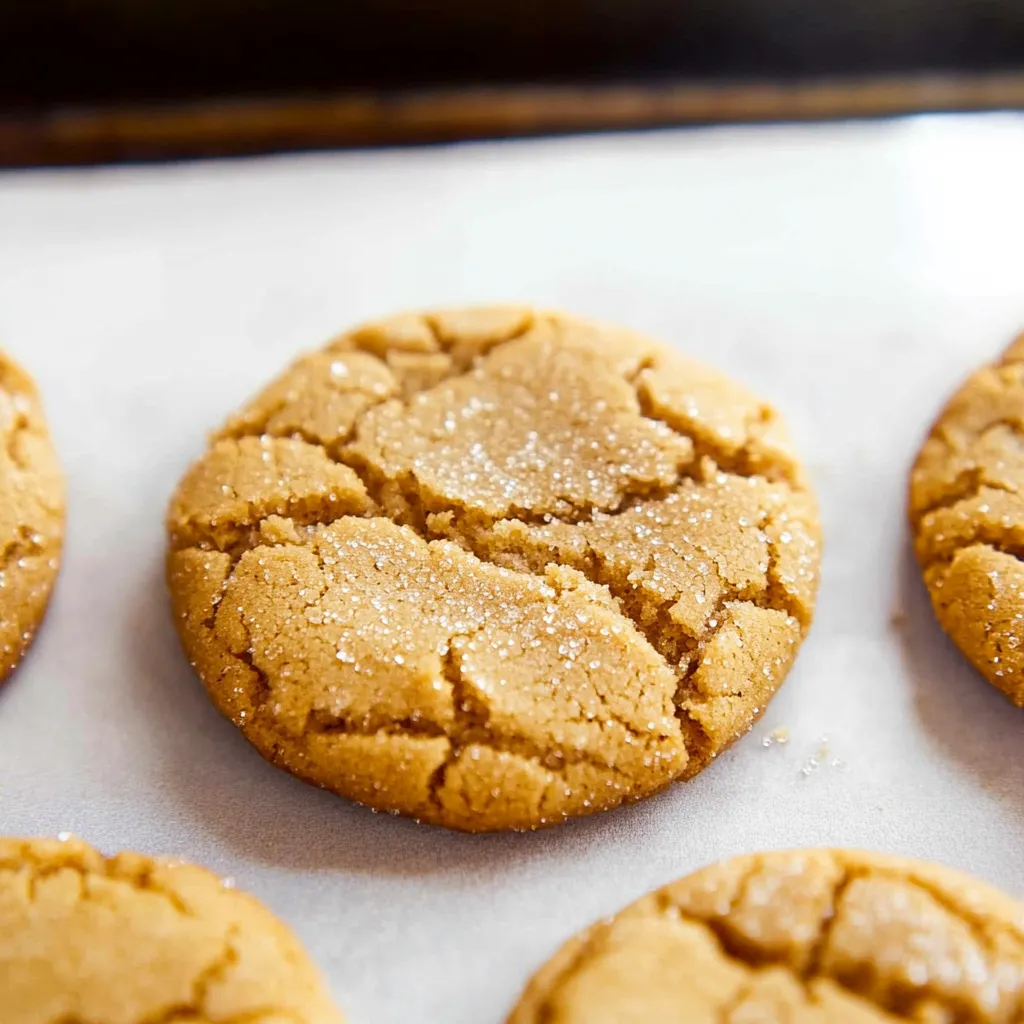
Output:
x=851 y=274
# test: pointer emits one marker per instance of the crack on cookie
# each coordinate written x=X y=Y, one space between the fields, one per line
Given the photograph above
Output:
x=431 y=323
x=194 y=1008
x=27 y=415
x=326 y=723
x=981 y=535
x=21 y=425
x=216 y=971
x=470 y=714
x=857 y=983
x=26 y=543
x=777 y=597
x=545 y=1013
x=967 y=486
x=42 y=868
x=741 y=461
x=732 y=945
x=475 y=533
x=465 y=360
x=408 y=502
x=240 y=532
x=816 y=954
x=698 y=742
x=974 y=478
x=244 y=536
x=259 y=427
x=956 y=910
x=469 y=728
x=463 y=357
x=297 y=433
x=261 y=689
x=970 y=480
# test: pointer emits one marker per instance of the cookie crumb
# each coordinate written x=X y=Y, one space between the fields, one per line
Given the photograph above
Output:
x=779 y=735
x=815 y=760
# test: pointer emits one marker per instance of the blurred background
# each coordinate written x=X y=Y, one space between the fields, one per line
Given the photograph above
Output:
x=98 y=80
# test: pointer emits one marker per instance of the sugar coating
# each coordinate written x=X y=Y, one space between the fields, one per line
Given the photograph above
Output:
x=31 y=514
x=967 y=515
x=806 y=936
x=493 y=568
x=87 y=939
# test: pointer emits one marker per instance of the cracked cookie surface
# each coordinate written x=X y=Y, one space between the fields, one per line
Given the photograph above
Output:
x=31 y=514
x=967 y=516
x=493 y=568
x=803 y=937
x=87 y=939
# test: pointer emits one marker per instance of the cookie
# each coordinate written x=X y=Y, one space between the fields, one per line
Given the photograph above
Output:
x=803 y=936
x=967 y=518
x=130 y=940
x=494 y=568
x=31 y=514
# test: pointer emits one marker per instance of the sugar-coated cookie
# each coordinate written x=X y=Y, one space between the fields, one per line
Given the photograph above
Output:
x=806 y=937
x=494 y=568
x=31 y=514
x=967 y=516
x=132 y=940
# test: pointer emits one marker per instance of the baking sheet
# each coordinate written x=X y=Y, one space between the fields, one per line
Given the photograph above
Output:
x=851 y=274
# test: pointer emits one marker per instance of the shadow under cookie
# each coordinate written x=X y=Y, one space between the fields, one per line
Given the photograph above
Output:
x=969 y=723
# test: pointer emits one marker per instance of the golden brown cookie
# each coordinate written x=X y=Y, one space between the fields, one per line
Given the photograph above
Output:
x=801 y=937
x=31 y=514
x=967 y=516
x=494 y=568
x=86 y=939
